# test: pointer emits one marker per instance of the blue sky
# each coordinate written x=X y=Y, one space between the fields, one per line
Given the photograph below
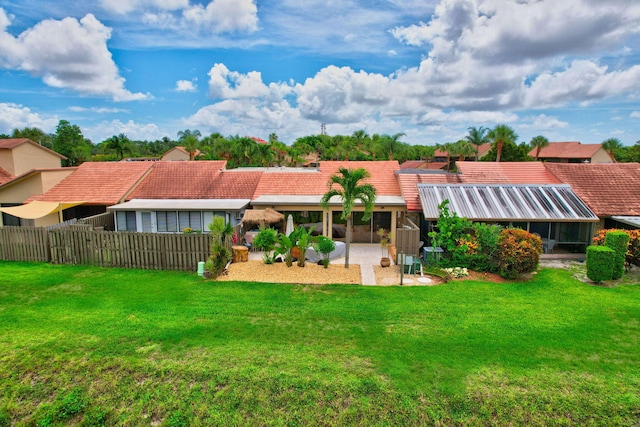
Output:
x=568 y=70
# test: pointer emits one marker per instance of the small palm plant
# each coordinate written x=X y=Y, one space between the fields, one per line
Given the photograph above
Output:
x=385 y=239
x=325 y=246
x=304 y=241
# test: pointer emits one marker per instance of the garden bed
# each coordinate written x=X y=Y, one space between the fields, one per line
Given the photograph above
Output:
x=258 y=271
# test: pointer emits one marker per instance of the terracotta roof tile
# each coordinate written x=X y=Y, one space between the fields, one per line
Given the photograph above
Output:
x=12 y=143
x=505 y=173
x=567 y=150
x=607 y=188
x=315 y=181
x=5 y=176
x=409 y=185
x=196 y=180
x=98 y=183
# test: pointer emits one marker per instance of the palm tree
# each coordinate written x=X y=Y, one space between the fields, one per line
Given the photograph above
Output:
x=538 y=142
x=610 y=145
x=350 y=191
x=500 y=135
x=392 y=143
x=462 y=148
x=190 y=141
x=477 y=136
x=446 y=148
x=119 y=144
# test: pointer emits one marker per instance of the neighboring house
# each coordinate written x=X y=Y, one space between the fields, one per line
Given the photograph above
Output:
x=26 y=170
x=298 y=191
x=23 y=187
x=179 y=154
x=20 y=155
x=572 y=152
x=440 y=156
x=175 y=196
x=423 y=165
x=97 y=185
x=612 y=191
x=523 y=195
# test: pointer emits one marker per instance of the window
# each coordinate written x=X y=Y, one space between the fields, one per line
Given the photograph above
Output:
x=126 y=220
x=167 y=221
x=145 y=218
x=191 y=219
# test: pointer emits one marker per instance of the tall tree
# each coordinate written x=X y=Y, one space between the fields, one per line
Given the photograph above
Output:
x=69 y=141
x=34 y=134
x=610 y=145
x=539 y=142
x=462 y=148
x=346 y=184
x=190 y=140
x=500 y=135
x=119 y=144
x=477 y=137
x=392 y=144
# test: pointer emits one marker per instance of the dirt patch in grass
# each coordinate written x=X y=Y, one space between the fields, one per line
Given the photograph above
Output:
x=312 y=274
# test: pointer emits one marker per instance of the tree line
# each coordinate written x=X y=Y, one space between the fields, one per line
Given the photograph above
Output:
x=243 y=151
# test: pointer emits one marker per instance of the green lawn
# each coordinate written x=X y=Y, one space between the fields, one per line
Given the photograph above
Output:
x=97 y=346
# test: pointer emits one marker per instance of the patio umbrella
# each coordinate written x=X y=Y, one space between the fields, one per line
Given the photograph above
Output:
x=289 y=228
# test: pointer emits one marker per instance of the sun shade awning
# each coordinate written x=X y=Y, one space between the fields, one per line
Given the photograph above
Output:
x=38 y=209
x=259 y=216
x=506 y=202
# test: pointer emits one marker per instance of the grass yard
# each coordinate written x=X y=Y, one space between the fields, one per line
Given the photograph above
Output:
x=97 y=346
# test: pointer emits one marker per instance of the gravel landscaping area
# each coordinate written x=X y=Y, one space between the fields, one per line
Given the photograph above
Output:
x=258 y=271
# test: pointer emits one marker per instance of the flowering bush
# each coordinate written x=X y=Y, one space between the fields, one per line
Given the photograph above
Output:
x=518 y=252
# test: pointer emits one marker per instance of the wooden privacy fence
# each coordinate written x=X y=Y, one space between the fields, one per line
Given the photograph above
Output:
x=24 y=244
x=408 y=241
x=82 y=245
x=151 y=251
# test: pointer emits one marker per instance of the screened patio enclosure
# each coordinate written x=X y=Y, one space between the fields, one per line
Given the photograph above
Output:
x=554 y=212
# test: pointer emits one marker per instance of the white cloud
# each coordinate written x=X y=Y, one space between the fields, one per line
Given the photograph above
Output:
x=97 y=110
x=128 y=6
x=67 y=54
x=222 y=16
x=14 y=116
x=185 y=86
x=227 y=84
x=133 y=130
x=543 y=122
x=635 y=115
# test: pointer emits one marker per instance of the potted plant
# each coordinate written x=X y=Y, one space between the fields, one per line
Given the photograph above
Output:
x=325 y=246
x=385 y=239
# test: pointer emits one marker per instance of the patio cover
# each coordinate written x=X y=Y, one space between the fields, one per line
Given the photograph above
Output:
x=506 y=202
x=38 y=209
x=633 y=221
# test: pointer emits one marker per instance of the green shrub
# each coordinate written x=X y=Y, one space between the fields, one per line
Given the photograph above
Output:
x=633 y=250
x=325 y=246
x=518 y=252
x=600 y=261
x=266 y=240
x=220 y=254
x=618 y=241
x=452 y=234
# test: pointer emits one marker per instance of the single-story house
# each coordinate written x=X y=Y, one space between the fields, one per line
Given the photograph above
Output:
x=612 y=191
x=298 y=191
x=179 y=154
x=179 y=195
x=572 y=152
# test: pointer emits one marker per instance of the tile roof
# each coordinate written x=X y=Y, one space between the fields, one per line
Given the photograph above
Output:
x=98 y=183
x=567 y=150
x=12 y=143
x=196 y=180
x=505 y=173
x=5 y=176
x=314 y=181
x=607 y=188
x=409 y=186
x=483 y=149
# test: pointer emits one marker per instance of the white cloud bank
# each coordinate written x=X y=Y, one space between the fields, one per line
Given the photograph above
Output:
x=66 y=54
x=484 y=61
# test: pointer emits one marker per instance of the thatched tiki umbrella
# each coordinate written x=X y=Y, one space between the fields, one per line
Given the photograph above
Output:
x=262 y=216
